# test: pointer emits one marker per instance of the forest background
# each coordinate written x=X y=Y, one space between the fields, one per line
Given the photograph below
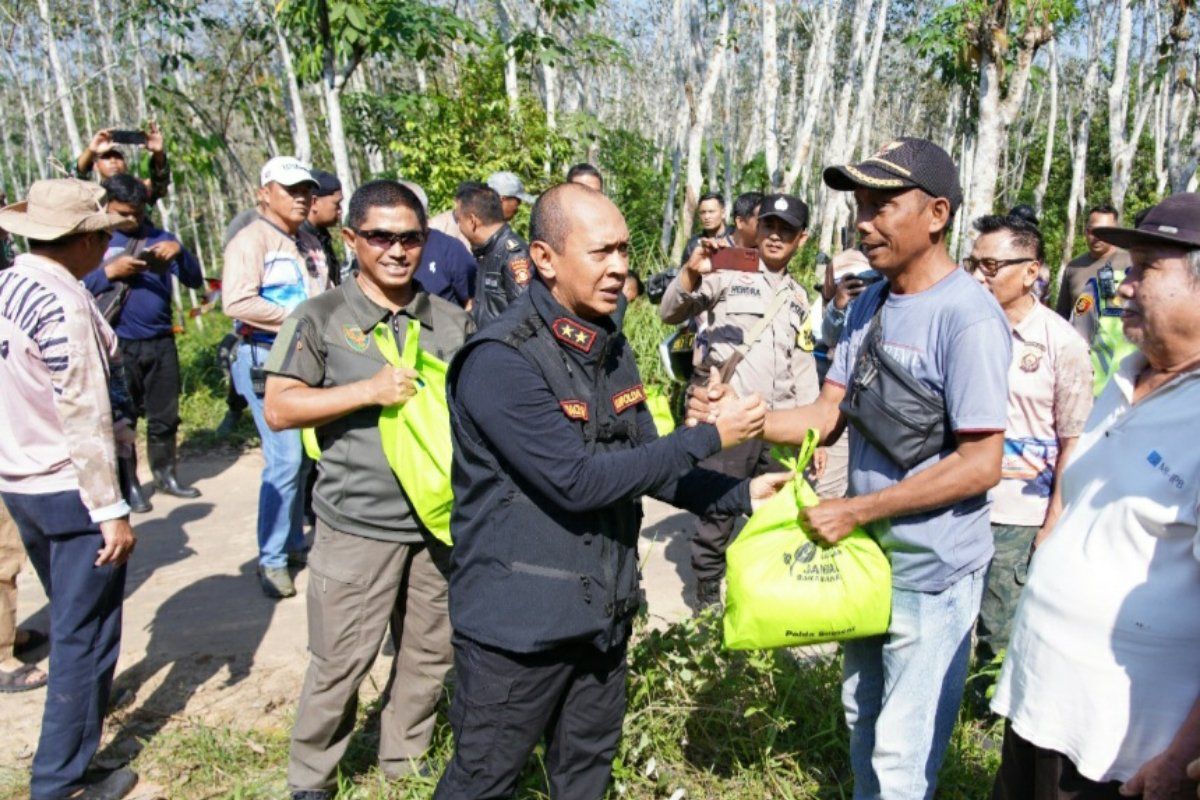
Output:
x=1061 y=104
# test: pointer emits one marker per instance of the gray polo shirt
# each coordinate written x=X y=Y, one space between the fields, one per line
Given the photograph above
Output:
x=327 y=342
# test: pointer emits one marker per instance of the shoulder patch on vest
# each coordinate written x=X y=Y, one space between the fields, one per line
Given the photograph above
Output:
x=1084 y=304
x=355 y=337
x=628 y=397
x=512 y=244
x=575 y=409
x=573 y=334
x=520 y=270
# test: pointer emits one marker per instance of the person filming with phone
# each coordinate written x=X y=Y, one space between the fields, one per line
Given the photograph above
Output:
x=755 y=338
x=104 y=153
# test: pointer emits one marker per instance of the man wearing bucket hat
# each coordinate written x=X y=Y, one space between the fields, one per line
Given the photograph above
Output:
x=58 y=469
x=271 y=266
x=1101 y=687
x=927 y=350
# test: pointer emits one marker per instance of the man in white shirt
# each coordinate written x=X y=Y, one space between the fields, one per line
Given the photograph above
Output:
x=1101 y=688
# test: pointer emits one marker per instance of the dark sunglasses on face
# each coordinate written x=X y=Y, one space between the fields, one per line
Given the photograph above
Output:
x=386 y=240
x=991 y=266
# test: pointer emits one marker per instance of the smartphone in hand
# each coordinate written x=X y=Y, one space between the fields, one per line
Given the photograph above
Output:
x=128 y=137
x=741 y=259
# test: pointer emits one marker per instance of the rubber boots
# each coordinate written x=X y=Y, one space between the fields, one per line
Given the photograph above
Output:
x=130 y=488
x=162 y=466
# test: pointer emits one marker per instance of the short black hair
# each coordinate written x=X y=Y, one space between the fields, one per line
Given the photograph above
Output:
x=712 y=196
x=746 y=205
x=637 y=281
x=382 y=194
x=584 y=168
x=1102 y=208
x=481 y=200
x=1021 y=224
x=125 y=188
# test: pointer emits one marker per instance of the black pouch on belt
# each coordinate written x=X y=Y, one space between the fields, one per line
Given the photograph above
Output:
x=892 y=409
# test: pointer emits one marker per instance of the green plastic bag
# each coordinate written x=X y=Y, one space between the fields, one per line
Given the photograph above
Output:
x=660 y=408
x=785 y=591
x=416 y=434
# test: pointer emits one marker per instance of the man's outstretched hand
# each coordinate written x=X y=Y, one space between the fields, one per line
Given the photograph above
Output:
x=766 y=486
x=702 y=405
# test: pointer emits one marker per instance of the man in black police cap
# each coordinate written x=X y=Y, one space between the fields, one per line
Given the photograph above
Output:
x=553 y=446
x=326 y=213
x=756 y=337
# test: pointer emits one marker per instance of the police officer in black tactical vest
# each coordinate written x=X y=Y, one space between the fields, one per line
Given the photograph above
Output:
x=553 y=446
x=504 y=266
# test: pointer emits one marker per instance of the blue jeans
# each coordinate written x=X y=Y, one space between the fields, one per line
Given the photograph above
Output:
x=902 y=690
x=281 y=495
x=85 y=634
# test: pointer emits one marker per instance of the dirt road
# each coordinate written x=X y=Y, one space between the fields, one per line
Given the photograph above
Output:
x=200 y=639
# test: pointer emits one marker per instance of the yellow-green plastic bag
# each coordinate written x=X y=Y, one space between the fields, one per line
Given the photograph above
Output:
x=416 y=434
x=659 y=406
x=783 y=590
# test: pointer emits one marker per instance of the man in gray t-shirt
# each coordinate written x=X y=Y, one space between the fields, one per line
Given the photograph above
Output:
x=949 y=338
x=902 y=690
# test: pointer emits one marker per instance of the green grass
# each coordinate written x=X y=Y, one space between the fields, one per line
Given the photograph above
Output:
x=743 y=726
x=204 y=382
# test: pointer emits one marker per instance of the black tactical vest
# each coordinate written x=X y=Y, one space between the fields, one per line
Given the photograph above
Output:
x=527 y=575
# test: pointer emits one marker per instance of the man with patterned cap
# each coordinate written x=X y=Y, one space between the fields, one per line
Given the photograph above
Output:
x=58 y=470
x=926 y=351
x=755 y=336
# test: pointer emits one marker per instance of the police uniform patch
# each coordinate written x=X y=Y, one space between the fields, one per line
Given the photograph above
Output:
x=628 y=397
x=520 y=270
x=1031 y=357
x=573 y=334
x=575 y=409
x=355 y=337
x=1084 y=304
x=512 y=244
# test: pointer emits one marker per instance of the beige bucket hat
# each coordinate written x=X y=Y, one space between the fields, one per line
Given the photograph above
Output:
x=61 y=207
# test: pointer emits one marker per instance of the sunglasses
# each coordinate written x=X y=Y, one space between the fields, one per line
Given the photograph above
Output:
x=386 y=240
x=992 y=266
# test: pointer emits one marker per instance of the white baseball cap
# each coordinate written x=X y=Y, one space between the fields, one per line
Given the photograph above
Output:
x=286 y=171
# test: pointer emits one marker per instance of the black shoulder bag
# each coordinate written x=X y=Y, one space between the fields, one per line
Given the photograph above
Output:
x=894 y=411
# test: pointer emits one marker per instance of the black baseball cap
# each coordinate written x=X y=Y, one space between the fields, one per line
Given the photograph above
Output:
x=327 y=183
x=1175 y=220
x=787 y=207
x=904 y=163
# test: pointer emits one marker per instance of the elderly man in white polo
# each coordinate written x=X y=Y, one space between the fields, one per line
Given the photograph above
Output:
x=1101 y=688
x=58 y=470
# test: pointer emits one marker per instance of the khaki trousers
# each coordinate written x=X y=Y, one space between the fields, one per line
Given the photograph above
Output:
x=355 y=587
x=12 y=557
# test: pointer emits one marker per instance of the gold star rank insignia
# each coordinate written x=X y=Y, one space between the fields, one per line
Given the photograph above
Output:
x=573 y=334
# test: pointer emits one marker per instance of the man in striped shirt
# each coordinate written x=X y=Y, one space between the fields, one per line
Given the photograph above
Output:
x=58 y=469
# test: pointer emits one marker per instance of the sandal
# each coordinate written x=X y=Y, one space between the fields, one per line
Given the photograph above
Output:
x=15 y=681
x=33 y=641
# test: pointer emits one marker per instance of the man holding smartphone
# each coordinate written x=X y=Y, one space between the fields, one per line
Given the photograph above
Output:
x=755 y=337
x=102 y=153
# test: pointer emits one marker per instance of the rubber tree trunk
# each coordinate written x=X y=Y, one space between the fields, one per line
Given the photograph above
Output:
x=701 y=113
x=60 y=78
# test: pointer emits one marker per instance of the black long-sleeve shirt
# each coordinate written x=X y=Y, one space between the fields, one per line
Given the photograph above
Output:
x=511 y=405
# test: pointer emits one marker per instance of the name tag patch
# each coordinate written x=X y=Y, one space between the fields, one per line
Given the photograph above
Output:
x=628 y=397
x=575 y=409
